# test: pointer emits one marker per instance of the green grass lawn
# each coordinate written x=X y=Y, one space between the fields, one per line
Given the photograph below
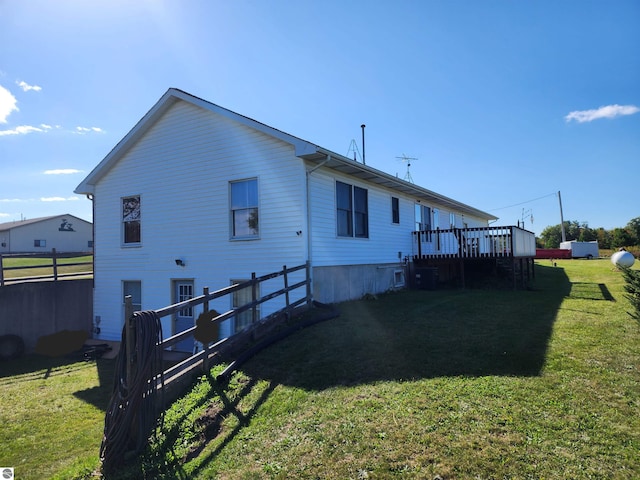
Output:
x=47 y=268
x=52 y=414
x=538 y=383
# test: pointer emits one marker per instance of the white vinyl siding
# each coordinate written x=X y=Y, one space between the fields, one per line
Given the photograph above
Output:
x=182 y=168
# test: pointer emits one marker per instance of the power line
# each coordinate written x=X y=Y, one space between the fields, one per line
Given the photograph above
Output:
x=523 y=203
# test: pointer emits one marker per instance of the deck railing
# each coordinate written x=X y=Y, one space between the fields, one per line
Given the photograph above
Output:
x=478 y=242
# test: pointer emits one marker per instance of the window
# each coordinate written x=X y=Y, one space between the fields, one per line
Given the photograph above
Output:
x=452 y=220
x=422 y=217
x=90 y=244
x=395 y=210
x=184 y=291
x=131 y=220
x=239 y=299
x=39 y=243
x=244 y=209
x=133 y=288
x=352 y=211
x=436 y=218
x=398 y=278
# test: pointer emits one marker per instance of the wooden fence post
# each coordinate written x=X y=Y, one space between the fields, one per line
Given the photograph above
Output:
x=308 y=274
x=205 y=345
x=254 y=297
x=1 y=272
x=55 y=264
x=286 y=286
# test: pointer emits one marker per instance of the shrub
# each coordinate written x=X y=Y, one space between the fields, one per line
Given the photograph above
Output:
x=632 y=287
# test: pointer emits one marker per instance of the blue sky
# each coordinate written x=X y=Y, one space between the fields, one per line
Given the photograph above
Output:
x=502 y=103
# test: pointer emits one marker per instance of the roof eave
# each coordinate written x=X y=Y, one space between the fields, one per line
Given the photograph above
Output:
x=366 y=173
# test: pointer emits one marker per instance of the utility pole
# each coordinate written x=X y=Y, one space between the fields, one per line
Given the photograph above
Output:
x=564 y=236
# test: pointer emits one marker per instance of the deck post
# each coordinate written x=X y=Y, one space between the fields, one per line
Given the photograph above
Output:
x=1 y=272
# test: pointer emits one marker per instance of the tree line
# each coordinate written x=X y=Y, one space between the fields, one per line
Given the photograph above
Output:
x=627 y=236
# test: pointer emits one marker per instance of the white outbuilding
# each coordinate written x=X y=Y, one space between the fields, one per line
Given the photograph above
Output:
x=65 y=233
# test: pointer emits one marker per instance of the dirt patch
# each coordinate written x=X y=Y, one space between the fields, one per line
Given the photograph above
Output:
x=210 y=424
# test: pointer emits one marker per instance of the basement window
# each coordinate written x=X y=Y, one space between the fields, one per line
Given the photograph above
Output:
x=39 y=243
x=398 y=278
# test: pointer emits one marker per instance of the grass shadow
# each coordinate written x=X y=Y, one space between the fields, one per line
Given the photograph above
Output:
x=590 y=291
x=422 y=334
x=100 y=395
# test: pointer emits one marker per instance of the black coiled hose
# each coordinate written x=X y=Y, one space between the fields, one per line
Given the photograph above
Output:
x=132 y=411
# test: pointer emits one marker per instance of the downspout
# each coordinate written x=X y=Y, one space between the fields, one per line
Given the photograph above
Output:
x=91 y=197
x=309 y=242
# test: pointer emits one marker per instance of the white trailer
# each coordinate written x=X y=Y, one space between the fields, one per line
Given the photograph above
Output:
x=581 y=249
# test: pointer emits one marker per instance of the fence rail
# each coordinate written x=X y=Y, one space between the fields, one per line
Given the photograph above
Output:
x=479 y=242
x=201 y=360
x=55 y=265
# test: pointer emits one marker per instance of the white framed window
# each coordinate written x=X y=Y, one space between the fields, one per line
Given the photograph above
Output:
x=398 y=278
x=352 y=211
x=395 y=210
x=241 y=298
x=184 y=291
x=39 y=243
x=244 y=215
x=131 y=220
x=422 y=217
x=452 y=220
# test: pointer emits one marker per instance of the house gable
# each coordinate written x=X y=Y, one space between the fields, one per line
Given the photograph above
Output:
x=170 y=98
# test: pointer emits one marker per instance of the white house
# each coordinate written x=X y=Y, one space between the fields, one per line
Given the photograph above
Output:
x=65 y=233
x=196 y=195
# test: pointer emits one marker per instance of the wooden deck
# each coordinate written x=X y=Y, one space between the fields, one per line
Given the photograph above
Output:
x=458 y=252
x=480 y=242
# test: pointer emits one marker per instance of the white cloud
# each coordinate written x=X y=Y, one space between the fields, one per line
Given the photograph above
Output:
x=22 y=130
x=4 y=215
x=8 y=104
x=83 y=130
x=58 y=199
x=608 y=111
x=11 y=200
x=26 y=87
x=62 y=171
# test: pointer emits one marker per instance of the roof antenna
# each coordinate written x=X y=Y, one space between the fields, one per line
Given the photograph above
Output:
x=362 y=127
x=353 y=147
x=404 y=158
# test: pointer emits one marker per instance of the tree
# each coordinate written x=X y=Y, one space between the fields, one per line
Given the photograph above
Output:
x=632 y=287
x=633 y=227
x=551 y=236
x=588 y=234
x=604 y=238
x=621 y=238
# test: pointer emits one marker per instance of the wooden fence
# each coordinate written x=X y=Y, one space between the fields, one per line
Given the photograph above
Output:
x=181 y=373
x=55 y=265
